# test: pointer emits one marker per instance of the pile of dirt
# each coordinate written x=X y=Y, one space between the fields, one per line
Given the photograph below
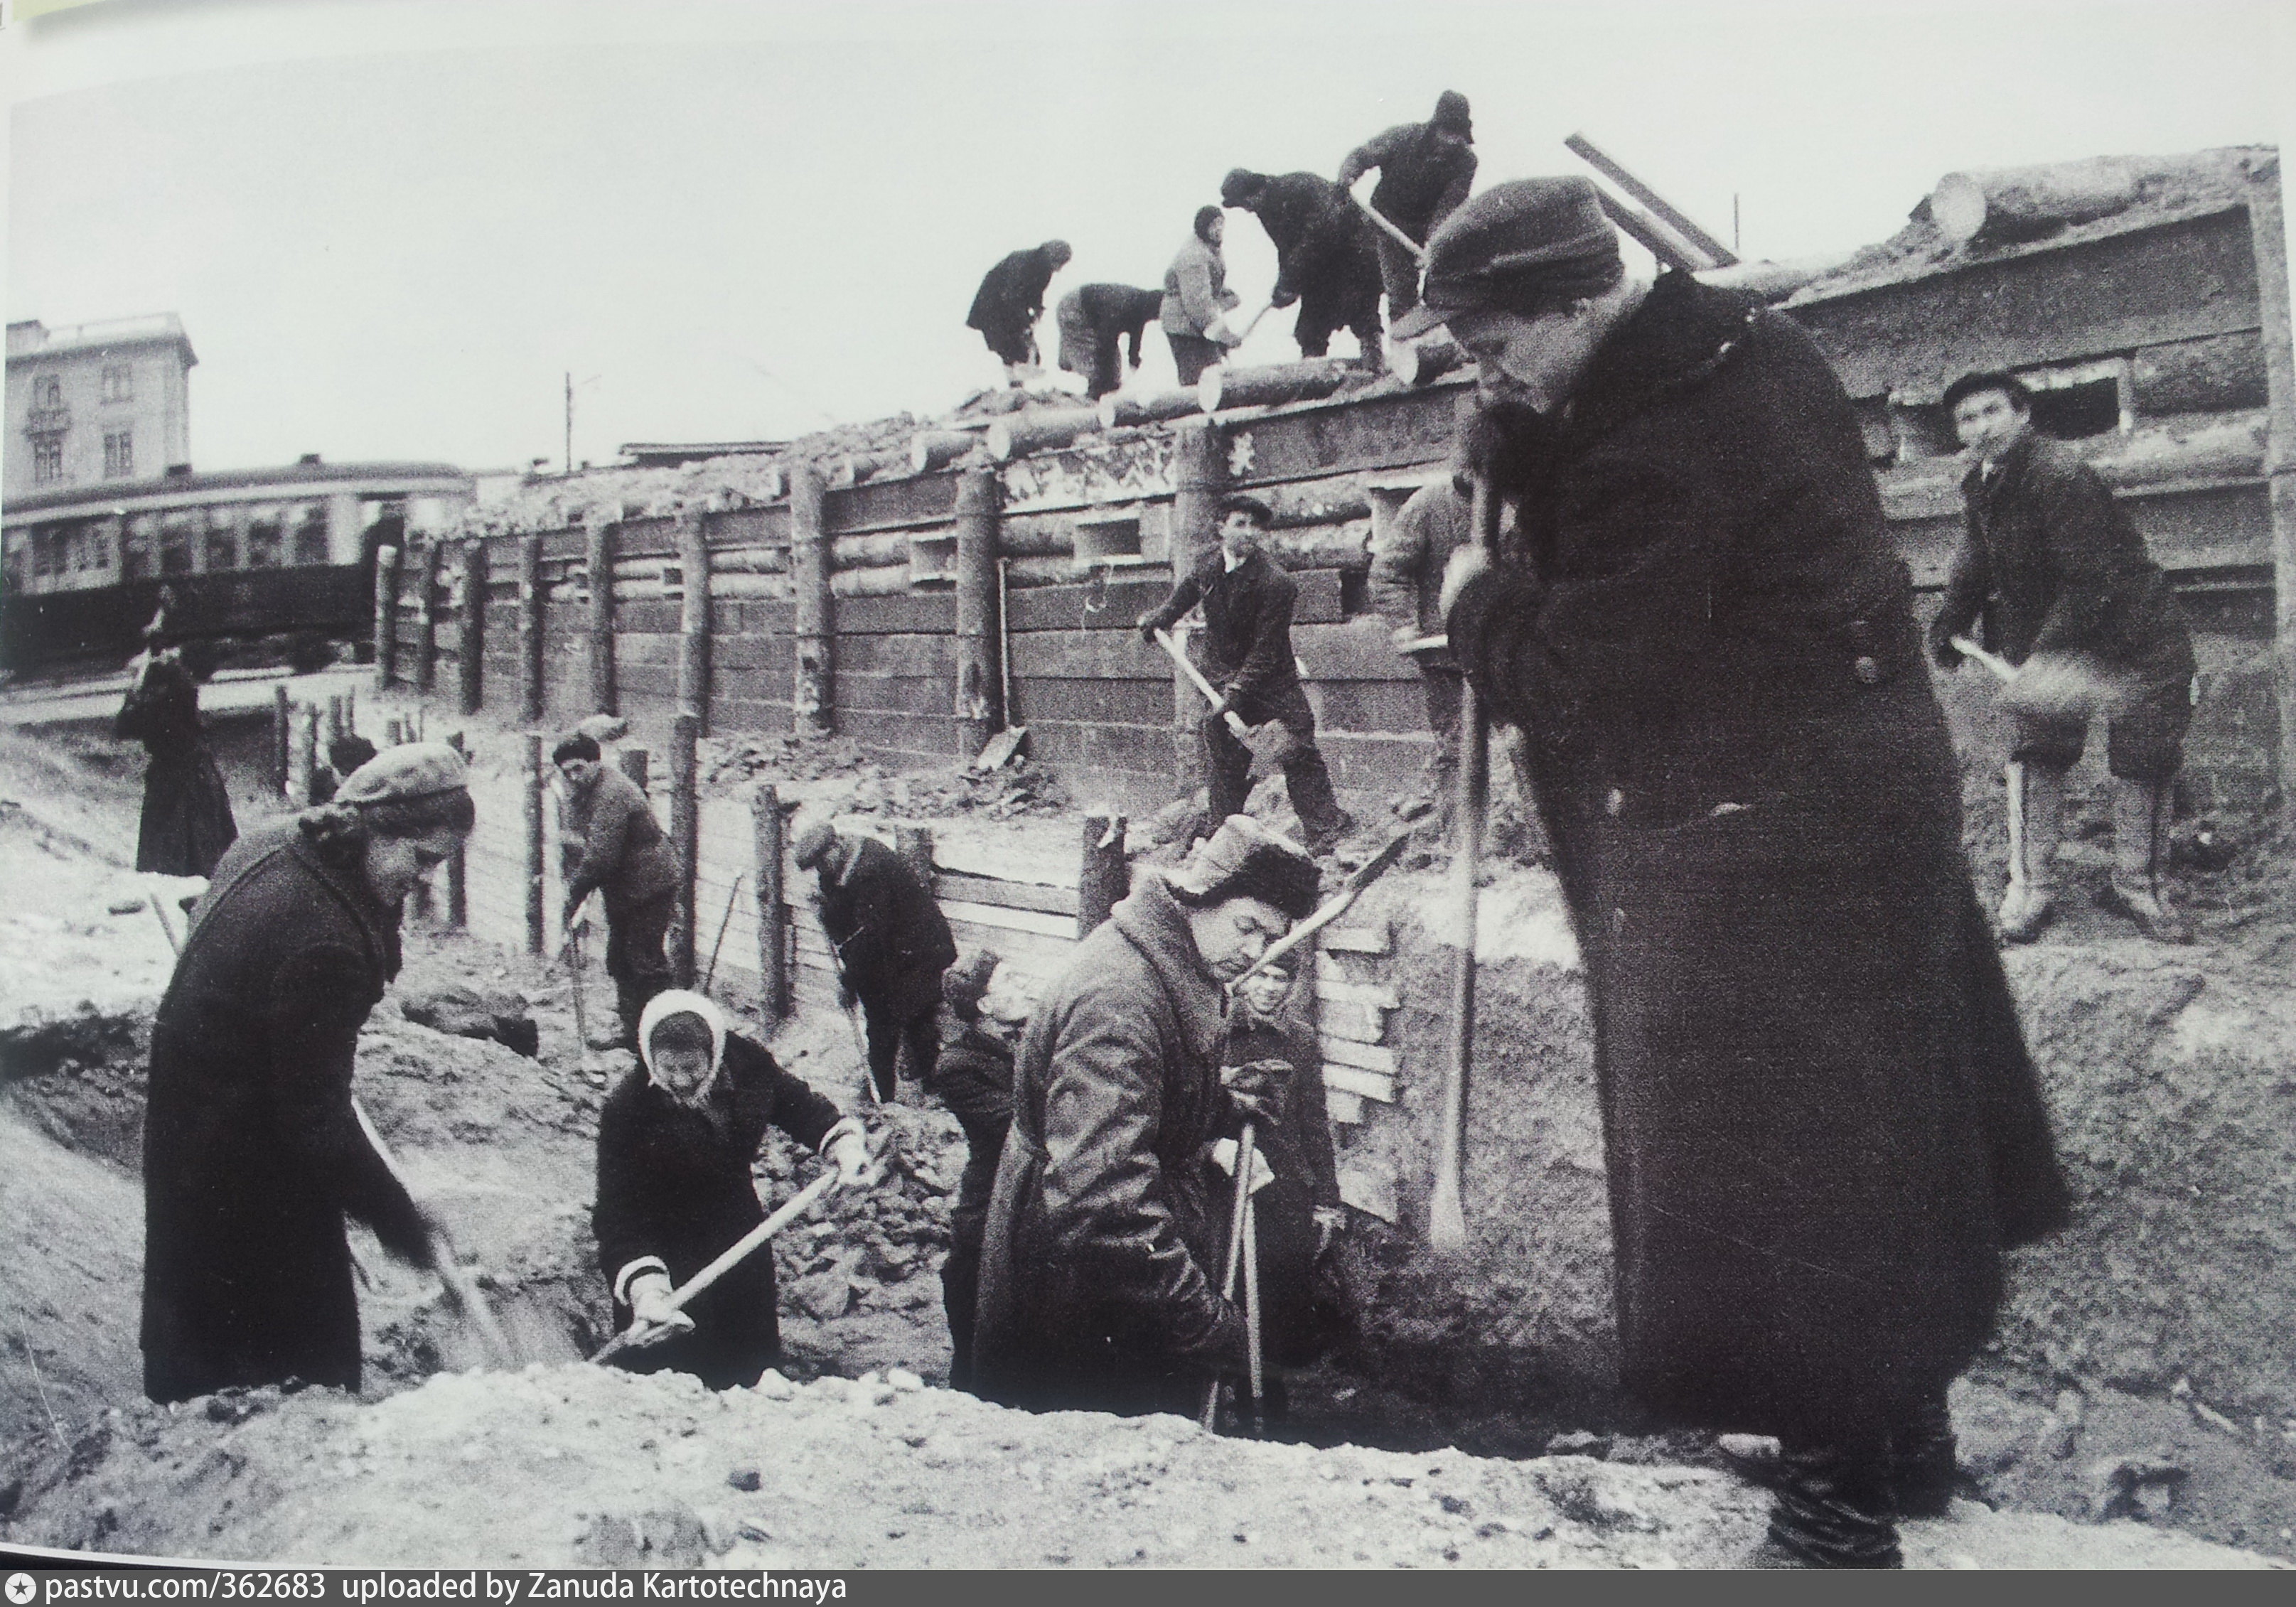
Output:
x=831 y=771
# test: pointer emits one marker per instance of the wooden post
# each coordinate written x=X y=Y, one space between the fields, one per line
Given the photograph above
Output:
x=772 y=931
x=915 y=845
x=599 y=555
x=458 y=865
x=1199 y=476
x=1102 y=876
x=685 y=829
x=300 y=762
x=694 y=620
x=386 y=617
x=394 y=731
x=350 y=712
x=335 y=725
x=980 y=691
x=281 y=736
x=529 y=627
x=811 y=701
x=536 y=932
x=2267 y=232
x=632 y=761
x=426 y=639
x=471 y=636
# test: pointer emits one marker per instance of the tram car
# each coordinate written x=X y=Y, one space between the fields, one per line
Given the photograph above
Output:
x=279 y=558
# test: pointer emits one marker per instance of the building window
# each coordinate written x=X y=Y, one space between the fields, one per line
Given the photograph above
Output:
x=119 y=455
x=47 y=457
x=47 y=390
x=119 y=382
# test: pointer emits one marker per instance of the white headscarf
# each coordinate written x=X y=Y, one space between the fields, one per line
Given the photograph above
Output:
x=678 y=1001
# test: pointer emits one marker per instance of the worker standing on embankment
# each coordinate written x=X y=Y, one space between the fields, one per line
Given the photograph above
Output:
x=614 y=846
x=1425 y=170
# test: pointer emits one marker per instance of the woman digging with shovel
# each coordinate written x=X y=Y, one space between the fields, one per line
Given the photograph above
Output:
x=674 y=1144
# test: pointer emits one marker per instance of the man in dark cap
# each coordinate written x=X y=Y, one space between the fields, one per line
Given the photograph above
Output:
x=613 y=846
x=1009 y=302
x=1247 y=603
x=1325 y=258
x=1098 y=1279
x=1425 y=170
x=1821 y=1127
x=892 y=943
x=1094 y=320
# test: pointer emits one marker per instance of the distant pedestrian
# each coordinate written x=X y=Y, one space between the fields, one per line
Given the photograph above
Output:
x=1425 y=170
x=1009 y=302
x=1325 y=258
x=187 y=822
x=1095 y=323
x=892 y=943
x=614 y=846
x=1197 y=299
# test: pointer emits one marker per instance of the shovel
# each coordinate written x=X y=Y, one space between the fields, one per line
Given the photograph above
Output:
x=740 y=1251
x=2055 y=686
x=461 y=1287
x=1270 y=743
x=1239 y=1224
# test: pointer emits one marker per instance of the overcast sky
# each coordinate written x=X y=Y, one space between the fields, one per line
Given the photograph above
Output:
x=391 y=226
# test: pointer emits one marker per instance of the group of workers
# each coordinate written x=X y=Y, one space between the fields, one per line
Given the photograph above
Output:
x=1332 y=258
x=1823 y=1127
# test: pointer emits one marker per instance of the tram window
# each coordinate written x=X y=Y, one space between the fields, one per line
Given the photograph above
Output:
x=222 y=540
x=262 y=549
x=175 y=546
x=309 y=519
x=103 y=542
x=135 y=550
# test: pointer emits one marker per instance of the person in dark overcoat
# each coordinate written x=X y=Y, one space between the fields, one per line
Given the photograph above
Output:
x=1325 y=258
x=253 y=1151
x=1425 y=170
x=1197 y=299
x=892 y=943
x=1247 y=606
x=675 y=1140
x=1096 y=321
x=187 y=821
x=1098 y=1274
x=614 y=846
x=2050 y=564
x=973 y=1077
x=1011 y=299
x=1297 y=1213
x=1821 y=1127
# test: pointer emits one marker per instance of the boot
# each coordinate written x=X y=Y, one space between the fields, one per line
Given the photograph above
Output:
x=2140 y=861
x=1923 y=1468
x=2037 y=816
x=1832 y=1510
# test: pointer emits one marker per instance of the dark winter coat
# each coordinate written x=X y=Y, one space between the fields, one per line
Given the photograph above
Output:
x=1322 y=241
x=1011 y=295
x=1247 y=625
x=1303 y=1179
x=1821 y=1124
x=1422 y=181
x=1096 y=1286
x=892 y=940
x=252 y=1152
x=675 y=1192
x=1095 y=319
x=187 y=822
x=1407 y=566
x=2050 y=561
x=614 y=845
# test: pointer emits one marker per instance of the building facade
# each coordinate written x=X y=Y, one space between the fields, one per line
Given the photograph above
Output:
x=95 y=403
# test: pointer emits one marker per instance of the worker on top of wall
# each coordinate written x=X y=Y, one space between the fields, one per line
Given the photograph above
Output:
x=612 y=845
x=1247 y=603
x=1009 y=302
x=892 y=942
x=1405 y=587
x=1197 y=299
x=187 y=822
x=1325 y=258
x=1822 y=1125
x=1425 y=170
x=1095 y=320
x=2050 y=564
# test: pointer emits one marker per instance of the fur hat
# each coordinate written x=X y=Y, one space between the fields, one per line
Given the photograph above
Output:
x=1244 y=860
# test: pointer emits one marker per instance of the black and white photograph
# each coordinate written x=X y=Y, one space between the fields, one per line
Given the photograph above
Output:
x=800 y=789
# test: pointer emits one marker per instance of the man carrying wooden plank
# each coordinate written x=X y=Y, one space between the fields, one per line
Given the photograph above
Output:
x=1325 y=258
x=1009 y=302
x=1821 y=1125
x=892 y=943
x=2051 y=564
x=1425 y=170
x=1094 y=320
x=612 y=845
x=1405 y=587
x=1247 y=603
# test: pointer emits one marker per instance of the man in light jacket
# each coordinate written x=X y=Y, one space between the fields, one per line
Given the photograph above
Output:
x=1197 y=299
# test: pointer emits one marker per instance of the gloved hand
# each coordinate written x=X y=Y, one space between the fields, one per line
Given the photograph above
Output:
x=1149 y=626
x=1257 y=1089
x=651 y=1315
x=1228 y=1349
x=857 y=1167
x=1944 y=653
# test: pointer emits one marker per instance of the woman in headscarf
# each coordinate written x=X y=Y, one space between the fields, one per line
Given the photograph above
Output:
x=674 y=1145
x=187 y=821
x=253 y=1151
x=1197 y=299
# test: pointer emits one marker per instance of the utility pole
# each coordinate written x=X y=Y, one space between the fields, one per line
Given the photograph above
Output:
x=570 y=422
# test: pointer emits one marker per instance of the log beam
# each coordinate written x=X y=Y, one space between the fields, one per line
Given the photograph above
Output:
x=810 y=701
x=980 y=700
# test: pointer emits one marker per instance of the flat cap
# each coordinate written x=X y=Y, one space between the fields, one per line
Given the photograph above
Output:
x=403 y=774
x=1530 y=245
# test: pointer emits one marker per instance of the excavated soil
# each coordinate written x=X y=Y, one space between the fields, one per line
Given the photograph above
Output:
x=2157 y=1409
